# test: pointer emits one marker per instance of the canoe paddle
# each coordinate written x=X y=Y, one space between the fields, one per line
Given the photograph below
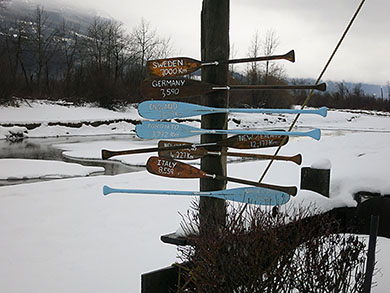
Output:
x=252 y=195
x=183 y=65
x=159 y=110
x=176 y=169
x=240 y=141
x=178 y=87
x=200 y=152
x=166 y=130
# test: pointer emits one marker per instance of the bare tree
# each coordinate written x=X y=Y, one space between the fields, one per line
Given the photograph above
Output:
x=107 y=55
x=69 y=50
x=253 y=73
x=118 y=48
x=269 y=46
x=42 y=45
x=15 y=50
x=146 y=44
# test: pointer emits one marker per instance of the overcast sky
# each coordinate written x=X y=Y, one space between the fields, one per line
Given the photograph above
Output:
x=310 y=27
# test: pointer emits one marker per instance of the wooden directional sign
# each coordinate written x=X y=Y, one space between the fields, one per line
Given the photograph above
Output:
x=178 y=66
x=178 y=87
x=173 y=66
x=164 y=109
x=200 y=152
x=166 y=130
x=240 y=141
x=176 y=169
x=252 y=195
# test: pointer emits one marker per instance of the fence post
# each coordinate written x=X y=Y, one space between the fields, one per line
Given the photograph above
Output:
x=371 y=254
x=317 y=177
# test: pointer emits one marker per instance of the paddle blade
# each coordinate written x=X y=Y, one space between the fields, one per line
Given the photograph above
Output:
x=172 y=66
x=244 y=141
x=254 y=195
x=171 y=168
x=174 y=87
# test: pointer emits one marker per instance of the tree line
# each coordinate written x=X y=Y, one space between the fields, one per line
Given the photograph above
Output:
x=345 y=97
x=102 y=63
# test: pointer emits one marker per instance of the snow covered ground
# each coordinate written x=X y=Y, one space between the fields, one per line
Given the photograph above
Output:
x=65 y=236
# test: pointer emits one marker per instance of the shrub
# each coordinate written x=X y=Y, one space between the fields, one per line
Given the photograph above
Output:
x=264 y=251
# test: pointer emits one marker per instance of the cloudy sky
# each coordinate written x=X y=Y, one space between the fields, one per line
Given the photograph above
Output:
x=310 y=27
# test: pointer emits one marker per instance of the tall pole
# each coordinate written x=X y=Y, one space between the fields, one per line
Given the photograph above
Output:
x=214 y=46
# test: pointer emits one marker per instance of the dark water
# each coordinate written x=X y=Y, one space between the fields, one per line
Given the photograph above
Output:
x=42 y=149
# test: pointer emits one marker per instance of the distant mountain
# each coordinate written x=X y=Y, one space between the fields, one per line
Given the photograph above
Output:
x=56 y=11
x=369 y=89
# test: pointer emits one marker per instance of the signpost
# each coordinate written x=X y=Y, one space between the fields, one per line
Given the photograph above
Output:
x=159 y=110
x=176 y=169
x=200 y=152
x=251 y=195
x=167 y=130
x=239 y=141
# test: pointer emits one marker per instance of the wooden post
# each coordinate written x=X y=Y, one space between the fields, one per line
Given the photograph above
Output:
x=315 y=179
x=370 y=265
x=160 y=281
x=214 y=46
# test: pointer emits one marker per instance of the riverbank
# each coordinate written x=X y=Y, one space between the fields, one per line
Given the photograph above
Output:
x=43 y=118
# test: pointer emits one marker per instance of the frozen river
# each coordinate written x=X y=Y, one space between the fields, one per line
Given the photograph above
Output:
x=51 y=149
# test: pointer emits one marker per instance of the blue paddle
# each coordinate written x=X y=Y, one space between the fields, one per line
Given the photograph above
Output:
x=170 y=110
x=253 y=195
x=166 y=130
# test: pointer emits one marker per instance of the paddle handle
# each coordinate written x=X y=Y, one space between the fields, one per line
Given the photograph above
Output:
x=292 y=190
x=290 y=56
x=315 y=133
x=319 y=87
x=297 y=159
x=321 y=111
x=106 y=154
x=108 y=190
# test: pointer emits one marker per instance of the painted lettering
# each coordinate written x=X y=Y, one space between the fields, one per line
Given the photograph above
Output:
x=163 y=106
x=165 y=163
x=159 y=83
